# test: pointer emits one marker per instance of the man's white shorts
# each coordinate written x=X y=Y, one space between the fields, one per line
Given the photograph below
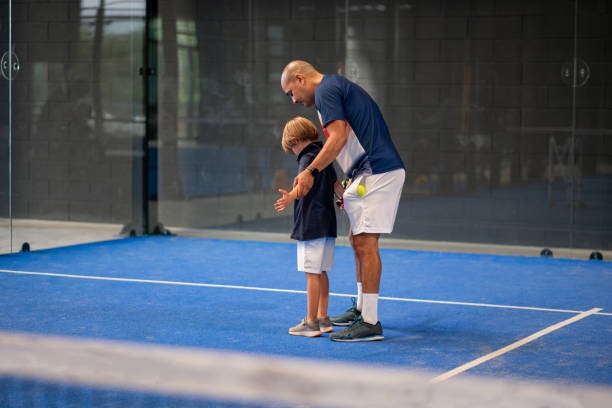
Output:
x=376 y=210
x=316 y=255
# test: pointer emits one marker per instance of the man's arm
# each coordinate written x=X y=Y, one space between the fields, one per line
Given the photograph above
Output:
x=336 y=140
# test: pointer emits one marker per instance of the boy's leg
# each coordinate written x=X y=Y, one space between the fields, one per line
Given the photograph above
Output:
x=309 y=326
x=327 y=264
x=325 y=324
x=323 y=295
x=313 y=291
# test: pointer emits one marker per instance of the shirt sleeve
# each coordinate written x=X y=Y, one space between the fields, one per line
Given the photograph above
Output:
x=329 y=101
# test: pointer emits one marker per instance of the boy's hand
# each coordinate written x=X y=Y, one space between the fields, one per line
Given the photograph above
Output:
x=339 y=188
x=284 y=201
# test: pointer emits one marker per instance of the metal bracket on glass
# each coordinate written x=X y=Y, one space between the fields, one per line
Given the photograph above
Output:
x=582 y=73
x=9 y=65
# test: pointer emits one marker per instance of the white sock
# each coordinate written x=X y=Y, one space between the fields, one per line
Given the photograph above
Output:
x=369 y=313
x=359 y=296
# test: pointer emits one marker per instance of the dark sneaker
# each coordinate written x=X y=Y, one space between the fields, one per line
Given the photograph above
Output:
x=306 y=329
x=359 y=331
x=347 y=317
x=325 y=325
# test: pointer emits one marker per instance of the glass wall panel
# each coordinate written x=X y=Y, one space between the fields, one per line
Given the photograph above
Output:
x=78 y=123
x=500 y=110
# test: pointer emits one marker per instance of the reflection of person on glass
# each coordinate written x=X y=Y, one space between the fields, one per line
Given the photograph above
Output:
x=357 y=137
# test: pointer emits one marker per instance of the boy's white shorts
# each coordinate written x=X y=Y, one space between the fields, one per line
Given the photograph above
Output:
x=376 y=210
x=316 y=255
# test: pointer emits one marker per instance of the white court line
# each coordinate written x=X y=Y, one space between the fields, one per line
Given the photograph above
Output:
x=214 y=285
x=513 y=346
x=449 y=302
x=153 y=281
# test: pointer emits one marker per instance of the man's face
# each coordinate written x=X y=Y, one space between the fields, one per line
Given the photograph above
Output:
x=297 y=89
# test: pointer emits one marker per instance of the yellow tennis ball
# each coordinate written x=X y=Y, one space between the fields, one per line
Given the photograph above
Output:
x=361 y=190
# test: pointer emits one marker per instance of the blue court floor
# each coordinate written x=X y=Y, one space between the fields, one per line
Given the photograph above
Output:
x=439 y=311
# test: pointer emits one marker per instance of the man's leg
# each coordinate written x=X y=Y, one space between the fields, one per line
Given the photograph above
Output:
x=366 y=326
x=358 y=278
x=367 y=255
x=354 y=311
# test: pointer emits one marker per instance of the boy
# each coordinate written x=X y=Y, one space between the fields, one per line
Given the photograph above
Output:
x=314 y=225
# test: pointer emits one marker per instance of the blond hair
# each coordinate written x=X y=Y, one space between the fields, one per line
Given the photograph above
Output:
x=297 y=130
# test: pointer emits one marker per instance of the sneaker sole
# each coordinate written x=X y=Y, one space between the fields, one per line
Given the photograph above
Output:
x=305 y=334
x=331 y=329
x=375 y=337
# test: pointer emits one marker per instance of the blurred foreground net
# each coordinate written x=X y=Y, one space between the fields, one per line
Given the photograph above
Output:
x=42 y=371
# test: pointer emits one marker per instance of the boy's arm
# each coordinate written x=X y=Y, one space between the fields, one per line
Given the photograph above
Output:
x=285 y=200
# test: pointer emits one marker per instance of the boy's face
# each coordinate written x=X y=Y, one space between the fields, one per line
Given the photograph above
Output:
x=299 y=146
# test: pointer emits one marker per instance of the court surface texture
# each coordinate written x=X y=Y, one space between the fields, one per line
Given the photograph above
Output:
x=447 y=314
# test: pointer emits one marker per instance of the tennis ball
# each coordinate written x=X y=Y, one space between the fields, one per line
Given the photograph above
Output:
x=361 y=190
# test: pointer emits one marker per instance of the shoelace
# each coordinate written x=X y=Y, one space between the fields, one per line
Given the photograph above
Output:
x=359 y=319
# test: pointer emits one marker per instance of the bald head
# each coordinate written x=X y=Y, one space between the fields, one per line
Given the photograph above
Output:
x=298 y=67
x=299 y=81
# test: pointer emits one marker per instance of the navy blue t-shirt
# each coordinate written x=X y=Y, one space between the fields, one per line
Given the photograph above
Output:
x=369 y=148
x=314 y=215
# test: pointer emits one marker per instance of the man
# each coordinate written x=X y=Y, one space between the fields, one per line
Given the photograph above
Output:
x=357 y=137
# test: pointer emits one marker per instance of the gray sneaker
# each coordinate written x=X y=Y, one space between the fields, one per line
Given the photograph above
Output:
x=347 y=317
x=306 y=329
x=359 y=331
x=325 y=325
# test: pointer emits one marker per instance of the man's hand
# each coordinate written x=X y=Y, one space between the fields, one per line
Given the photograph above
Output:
x=303 y=183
